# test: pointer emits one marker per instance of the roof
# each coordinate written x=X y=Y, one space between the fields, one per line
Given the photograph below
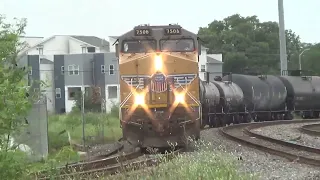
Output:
x=92 y=40
x=204 y=48
x=114 y=37
x=45 y=61
x=213 y=61
x=30 y=37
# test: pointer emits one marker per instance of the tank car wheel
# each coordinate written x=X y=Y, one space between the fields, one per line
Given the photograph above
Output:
x=241 y=119
x=223 y=121
x=304 y=116
x=268 y=116
x=288 y=116
x=236 y=119
x=246 y=118
x=210 y=122
x=213 y=122
x=255 y=117
x=316 y=115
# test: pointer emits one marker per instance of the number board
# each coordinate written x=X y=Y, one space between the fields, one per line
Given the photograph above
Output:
x=172 y=31
x=142 y=32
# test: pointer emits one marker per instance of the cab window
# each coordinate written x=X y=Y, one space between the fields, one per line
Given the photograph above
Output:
x=177 y=45
x=138 y=46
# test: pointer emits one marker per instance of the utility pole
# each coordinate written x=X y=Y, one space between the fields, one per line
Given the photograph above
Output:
x=82 y=112
x=282 y=38
x=300 y=58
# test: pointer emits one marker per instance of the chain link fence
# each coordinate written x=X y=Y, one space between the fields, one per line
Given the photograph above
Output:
x=92 y=121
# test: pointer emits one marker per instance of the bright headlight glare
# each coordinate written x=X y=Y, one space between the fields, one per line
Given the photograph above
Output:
x=158 y=63
x=179 y=98
x=139 y=99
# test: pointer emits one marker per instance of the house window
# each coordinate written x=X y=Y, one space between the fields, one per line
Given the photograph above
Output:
x=111 y=69
x=40 y=51
x=30 y=71
x=73 y=69
x=91 y=49
x=103 y=69
x=62 y=70
x=84 y=49
x=73 y=92
x=112 y=92
x=203 y=68
x=58 y=93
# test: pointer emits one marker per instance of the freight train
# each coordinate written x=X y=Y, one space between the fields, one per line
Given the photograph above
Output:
x=238 y=98
x=163 y=100
x=159 y=85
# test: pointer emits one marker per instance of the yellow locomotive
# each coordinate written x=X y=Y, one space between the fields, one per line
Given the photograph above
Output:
x=159 y=85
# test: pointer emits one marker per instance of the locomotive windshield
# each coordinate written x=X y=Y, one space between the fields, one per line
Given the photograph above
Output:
x=138 y=46
x=177 y=45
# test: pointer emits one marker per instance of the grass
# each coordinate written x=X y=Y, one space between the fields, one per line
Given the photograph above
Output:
x=105 y=127
x=99 y=128
x=203 y=164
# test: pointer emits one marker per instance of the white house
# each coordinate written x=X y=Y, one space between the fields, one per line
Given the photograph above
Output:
x=211 y=63
x=112 y=40
x=68 y=44
x=29 y=41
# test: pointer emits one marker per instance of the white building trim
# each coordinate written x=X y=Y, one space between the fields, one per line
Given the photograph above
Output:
x=112 y=101
x=70 y=103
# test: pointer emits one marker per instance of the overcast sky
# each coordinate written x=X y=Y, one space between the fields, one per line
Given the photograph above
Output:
x=105 y=17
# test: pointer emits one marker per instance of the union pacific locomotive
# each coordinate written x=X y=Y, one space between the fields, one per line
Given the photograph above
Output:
x=162 y=99
x=159 y=85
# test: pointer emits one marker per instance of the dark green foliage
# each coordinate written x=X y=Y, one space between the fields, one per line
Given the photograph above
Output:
x=12 y=165
x=92 y=100
x=248 y=44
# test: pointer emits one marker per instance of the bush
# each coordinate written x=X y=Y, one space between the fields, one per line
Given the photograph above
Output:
x=12 y=165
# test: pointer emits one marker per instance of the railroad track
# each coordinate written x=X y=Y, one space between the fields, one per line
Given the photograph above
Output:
x=110 y=165
x=311 y=129
x=298 y=153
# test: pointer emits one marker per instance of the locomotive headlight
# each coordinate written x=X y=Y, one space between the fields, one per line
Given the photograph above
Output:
x=158 y=62
x=139 y=99
x=179 y=98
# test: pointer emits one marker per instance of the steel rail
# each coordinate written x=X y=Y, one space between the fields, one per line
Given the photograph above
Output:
x=309 y=129
x=281 y=148
x=121 y=165
x=85 y=166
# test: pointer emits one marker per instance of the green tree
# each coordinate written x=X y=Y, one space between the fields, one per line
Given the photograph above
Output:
x=14 y=104
x=310 y=60
x=92 y=99
x=247 y=43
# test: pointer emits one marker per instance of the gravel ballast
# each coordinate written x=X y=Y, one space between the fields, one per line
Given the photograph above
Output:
x=291 y=133
x=262 y=164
